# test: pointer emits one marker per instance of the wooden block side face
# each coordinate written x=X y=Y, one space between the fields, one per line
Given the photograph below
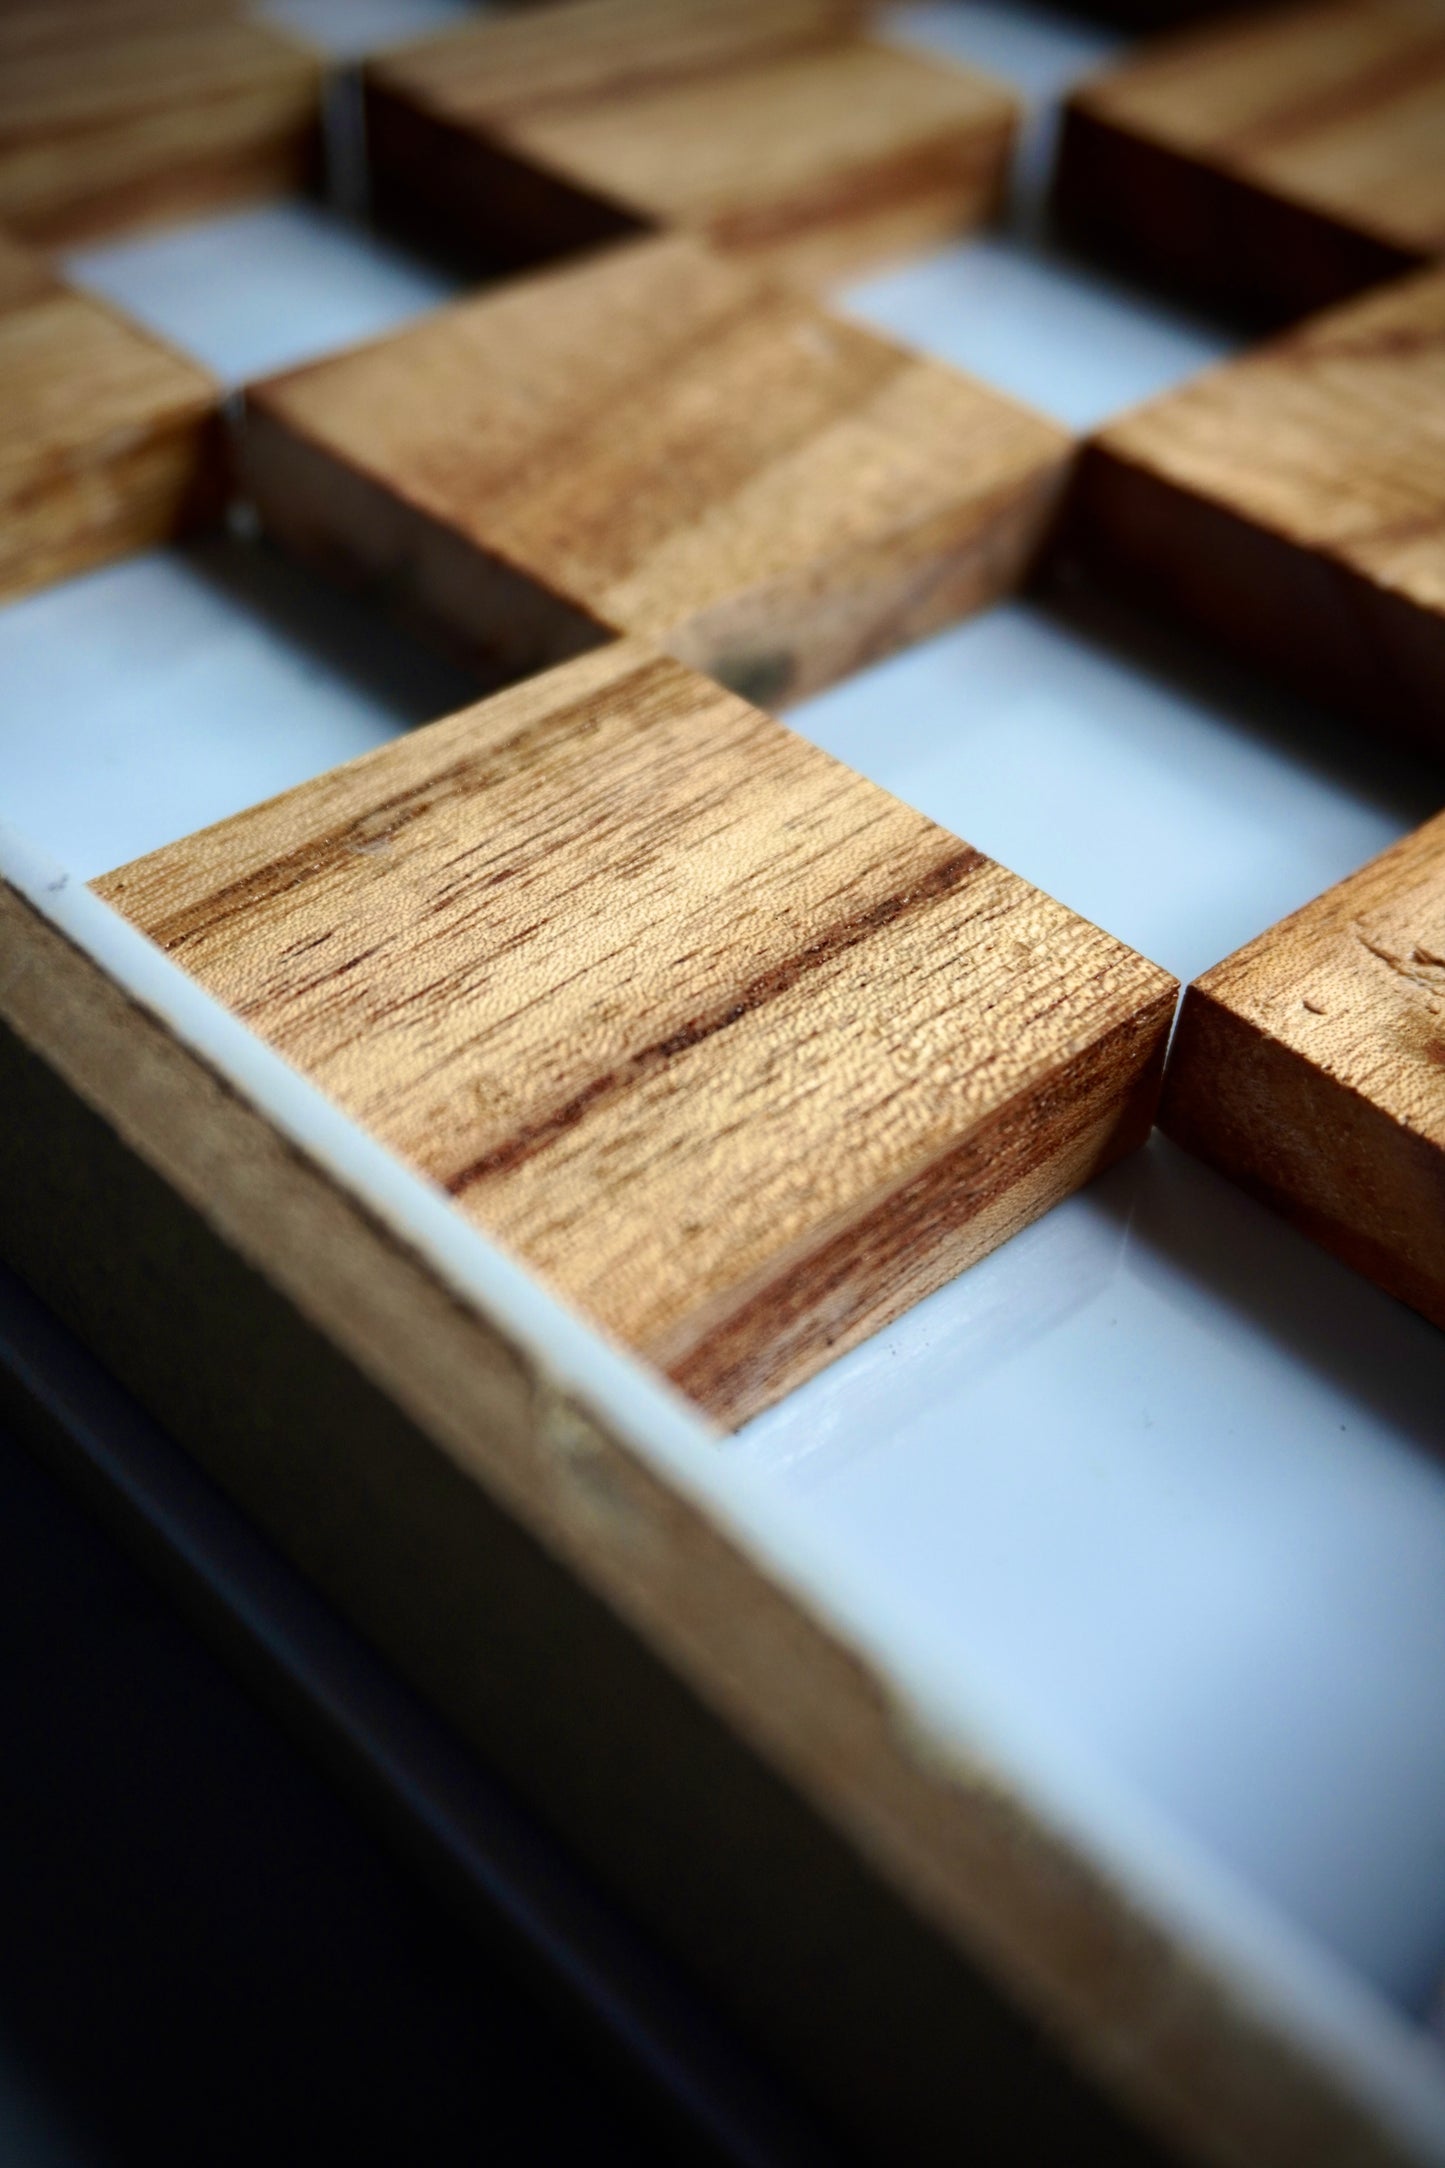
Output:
x=1207 y=230
x=730 y=1047
x=809 y=162
x=1291 y=501
x=815 y=622
x=681 y=452
x=1332 y=437
x=585 y=50
x=108 y=440
x=120 y=121
x=1311 y=1066
x=1280 y=161
x=439 y=180
x=492 y=618
x=775 y=132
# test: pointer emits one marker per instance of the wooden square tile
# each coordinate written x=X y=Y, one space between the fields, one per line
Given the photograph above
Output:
x=1311 y=1068
x=774 y=130
x=1293 y=504
x=730 y=1047
x=120 y=114
x=108 y=440
x=655 y=441
x=1277 y=161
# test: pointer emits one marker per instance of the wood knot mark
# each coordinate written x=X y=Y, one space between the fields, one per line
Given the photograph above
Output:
x=1421 y=964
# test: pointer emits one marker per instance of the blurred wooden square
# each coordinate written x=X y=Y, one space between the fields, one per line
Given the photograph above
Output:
x=109 y=441
x=1276 y=161
x=124 y=113
x=776 y=131
x=655 y=441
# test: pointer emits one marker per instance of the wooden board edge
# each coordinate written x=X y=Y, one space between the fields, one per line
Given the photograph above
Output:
x=724 y=1759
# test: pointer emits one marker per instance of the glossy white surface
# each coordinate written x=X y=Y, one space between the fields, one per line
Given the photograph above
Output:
x=1150 y=786
x=346 y=29
x=1040 y=52
x=1069 y=340
x=1159 y=1479
x=1010 y=307
x=1167 y=1477
x=1167 y=1474
x=263 y=289
x=155 y=696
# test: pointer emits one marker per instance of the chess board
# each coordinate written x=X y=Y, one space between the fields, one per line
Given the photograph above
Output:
x=633 y=677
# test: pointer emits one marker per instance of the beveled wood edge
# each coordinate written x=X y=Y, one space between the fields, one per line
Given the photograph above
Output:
x=1229 y=2036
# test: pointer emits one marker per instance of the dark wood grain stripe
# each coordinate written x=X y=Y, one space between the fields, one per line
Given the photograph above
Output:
x=846 y=933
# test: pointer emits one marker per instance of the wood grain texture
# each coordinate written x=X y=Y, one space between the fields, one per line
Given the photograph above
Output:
x=1277 y=162
x=727 y=1045
x=139 y=111
x=1293 y=504
x=109 y=441
x=777 y=132
x=656 y=442
x=1311 y=1068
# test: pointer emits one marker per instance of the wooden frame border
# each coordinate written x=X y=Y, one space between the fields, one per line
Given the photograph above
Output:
x=941 y=1927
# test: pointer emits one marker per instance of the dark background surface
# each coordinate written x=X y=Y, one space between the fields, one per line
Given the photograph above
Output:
x=204 y=1954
